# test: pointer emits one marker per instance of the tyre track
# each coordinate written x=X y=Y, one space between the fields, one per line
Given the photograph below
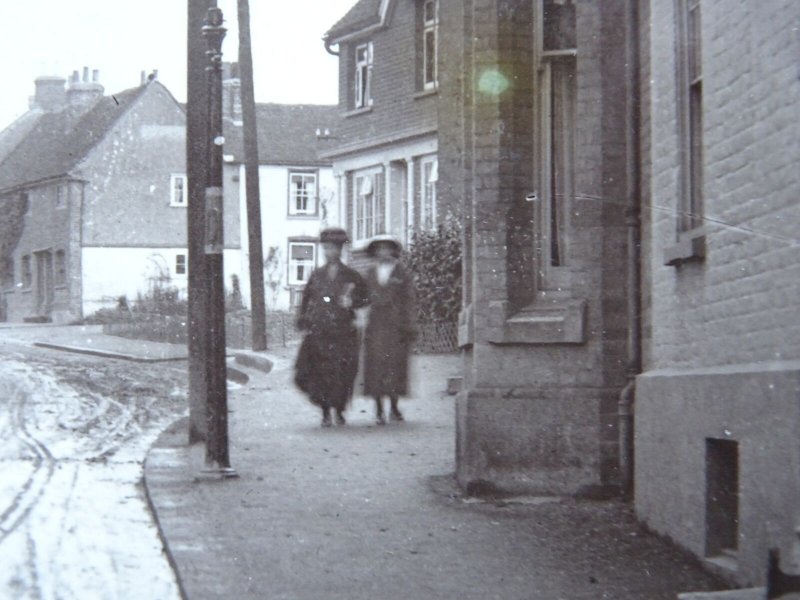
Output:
x=43 y=467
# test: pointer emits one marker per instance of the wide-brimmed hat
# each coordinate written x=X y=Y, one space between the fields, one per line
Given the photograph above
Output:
x=333 y=235
x=384 y=238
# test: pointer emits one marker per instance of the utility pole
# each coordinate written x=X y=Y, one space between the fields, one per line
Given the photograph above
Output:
x=217 y=455
x=252 y=188
x=196 y=107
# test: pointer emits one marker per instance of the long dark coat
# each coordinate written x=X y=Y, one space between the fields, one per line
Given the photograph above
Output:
x=390 y=332
x=327 y=363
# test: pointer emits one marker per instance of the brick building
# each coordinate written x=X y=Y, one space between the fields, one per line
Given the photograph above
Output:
x=97 y=187
x=717 y=413
x=534 y=141
x=629 y=184
x=384 y=148
x=297 y=187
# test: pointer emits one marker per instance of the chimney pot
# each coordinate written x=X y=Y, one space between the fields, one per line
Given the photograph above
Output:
x=75 y=77
x=86 y=74
x=143 y=78
x=95 y=76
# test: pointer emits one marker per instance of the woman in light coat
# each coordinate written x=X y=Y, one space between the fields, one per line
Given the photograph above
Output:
x=391 y=328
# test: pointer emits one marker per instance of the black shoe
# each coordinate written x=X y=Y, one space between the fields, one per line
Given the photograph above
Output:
x=340 y=419
x=397 y=416
x=326 y=420
x=379 y=420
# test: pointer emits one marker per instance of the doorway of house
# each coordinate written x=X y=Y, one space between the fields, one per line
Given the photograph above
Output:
x=44 y=283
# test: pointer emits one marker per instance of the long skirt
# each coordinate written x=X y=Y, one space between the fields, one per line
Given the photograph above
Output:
x=326 y=367
x=386 y=354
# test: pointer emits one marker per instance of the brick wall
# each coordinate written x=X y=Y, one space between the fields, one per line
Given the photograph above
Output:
x=741 y=304
x=722 y=335
x=395 y=108
x=47 y=227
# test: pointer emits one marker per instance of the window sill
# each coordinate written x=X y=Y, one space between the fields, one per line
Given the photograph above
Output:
x=357 y=111
x=425 y=93
x=304 y=216
x=177 y=205
x=560 y=322
x=691 y=246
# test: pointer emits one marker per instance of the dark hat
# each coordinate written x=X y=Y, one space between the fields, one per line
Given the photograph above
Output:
x=383 y=238
x=333 y=235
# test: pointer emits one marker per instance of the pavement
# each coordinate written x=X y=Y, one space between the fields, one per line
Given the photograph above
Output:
x=368 y=512
x=90 y=340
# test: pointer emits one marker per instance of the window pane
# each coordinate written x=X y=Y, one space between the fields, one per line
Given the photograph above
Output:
x=430 y=56
x=562 y=123
x=695 y=207
x=302 y=252
x=430 y=11
x=695 y=58
x=559 y=25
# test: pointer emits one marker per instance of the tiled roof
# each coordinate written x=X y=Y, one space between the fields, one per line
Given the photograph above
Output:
x=59 y=140
x=12 y=135
x=286 y=133
x=363 y=14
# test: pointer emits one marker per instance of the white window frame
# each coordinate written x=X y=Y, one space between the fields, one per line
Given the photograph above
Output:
x=174 y=200
x=430 y=26
x=369 y=207
x=179 y=263
x=312 y=197
x=363 y=75
x=294 y=263
x=429 y=175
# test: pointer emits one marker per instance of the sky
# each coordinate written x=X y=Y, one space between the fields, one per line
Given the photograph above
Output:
x=122 y=38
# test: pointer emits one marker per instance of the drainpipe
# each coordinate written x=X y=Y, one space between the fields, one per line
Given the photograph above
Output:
x=627 y=398
x=328 y=48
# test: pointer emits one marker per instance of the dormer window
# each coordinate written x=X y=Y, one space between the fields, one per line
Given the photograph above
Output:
x=363 y=75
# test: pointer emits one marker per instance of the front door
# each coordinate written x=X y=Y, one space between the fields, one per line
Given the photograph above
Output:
x=44 y=283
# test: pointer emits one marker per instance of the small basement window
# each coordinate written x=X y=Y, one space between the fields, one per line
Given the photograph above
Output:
x=722 y=497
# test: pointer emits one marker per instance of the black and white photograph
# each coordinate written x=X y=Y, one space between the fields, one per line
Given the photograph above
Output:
x=399 y=300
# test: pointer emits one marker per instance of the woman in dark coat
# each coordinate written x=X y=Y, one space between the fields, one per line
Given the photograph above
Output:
x=328 y=359
x=391 y=328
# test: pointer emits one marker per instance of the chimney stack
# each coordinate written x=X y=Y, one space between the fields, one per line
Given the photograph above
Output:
x=231 y=92
x=83 y=93
x=50 y=94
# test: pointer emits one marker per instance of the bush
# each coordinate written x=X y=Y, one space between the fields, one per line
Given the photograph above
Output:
x=434 y=258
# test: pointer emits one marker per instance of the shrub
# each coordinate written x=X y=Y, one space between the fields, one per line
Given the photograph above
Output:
x=434 y=258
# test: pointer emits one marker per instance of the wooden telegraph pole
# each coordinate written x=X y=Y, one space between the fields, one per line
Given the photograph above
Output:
x=217 y=455
x=196 y=106
x=252 y=189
